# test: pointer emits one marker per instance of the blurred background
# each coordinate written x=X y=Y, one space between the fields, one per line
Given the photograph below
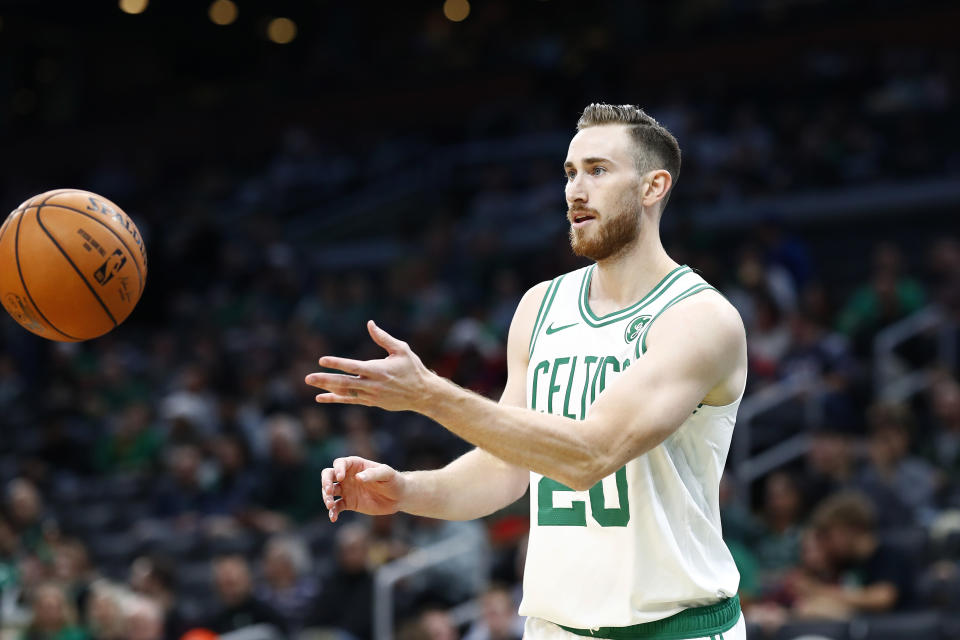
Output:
x=297 y=167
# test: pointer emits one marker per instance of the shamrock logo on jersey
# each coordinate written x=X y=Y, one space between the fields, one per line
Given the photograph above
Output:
x=635 y=327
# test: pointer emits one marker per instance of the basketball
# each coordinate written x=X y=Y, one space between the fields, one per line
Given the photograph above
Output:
x=72 y=265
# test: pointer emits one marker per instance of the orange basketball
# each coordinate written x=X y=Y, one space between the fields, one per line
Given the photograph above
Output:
x=72 y=265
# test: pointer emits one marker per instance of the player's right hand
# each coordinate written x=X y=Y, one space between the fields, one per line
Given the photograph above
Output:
x=362 y=485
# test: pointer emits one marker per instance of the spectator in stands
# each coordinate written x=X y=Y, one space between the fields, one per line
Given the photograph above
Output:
x=235 y=483
x=769 y=340
x=54 y=616
x=740 y=529
x=784 y=250
x=433 y=623
x=9 y=552
x=191 y=408
x=25 y=510
x=361 y=437
x=71 y=569
x=288 y=481
x=777 y=547
x=386 y=543
x=872 y=576
x=782 y=598
x=943 y=441
x=346 y=597
x=322 y=444
x=830 y=464
x=288 y=586
x=144 y=619
x=104 y=614
x=183 y=497
x=755 y=282
x=887 y=297
x=820 y=353
x=133 y=444
x=902 y=486
x=498 y=617
x=155 y=578
x=240 y=607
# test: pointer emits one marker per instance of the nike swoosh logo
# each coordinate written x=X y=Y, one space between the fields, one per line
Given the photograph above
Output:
x=552 y=330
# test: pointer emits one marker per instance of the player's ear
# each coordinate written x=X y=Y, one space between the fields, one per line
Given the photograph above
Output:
x=655 y=186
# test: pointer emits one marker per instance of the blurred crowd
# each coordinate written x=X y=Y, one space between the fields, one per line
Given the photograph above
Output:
x=165 y=478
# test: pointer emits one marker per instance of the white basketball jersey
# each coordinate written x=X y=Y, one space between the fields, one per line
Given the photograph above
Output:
x=645 y=542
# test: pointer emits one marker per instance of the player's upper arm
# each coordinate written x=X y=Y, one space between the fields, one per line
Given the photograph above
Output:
x=696 y=352
x=518 y=345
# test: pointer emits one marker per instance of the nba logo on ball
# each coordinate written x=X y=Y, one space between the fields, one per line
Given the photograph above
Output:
x=72 y=265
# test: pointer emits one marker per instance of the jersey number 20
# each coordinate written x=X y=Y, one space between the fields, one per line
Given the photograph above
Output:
x=576 y=514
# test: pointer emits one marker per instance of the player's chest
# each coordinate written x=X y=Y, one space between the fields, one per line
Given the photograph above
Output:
x=572 y=362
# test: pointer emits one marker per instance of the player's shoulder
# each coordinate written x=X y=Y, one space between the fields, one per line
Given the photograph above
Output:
x=531 y=300
x=536 y=292
x=707 y=316
x=537 y=298
x=526 y=314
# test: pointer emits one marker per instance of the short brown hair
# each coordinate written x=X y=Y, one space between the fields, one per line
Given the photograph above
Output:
x=848 y=509
x=655 y=147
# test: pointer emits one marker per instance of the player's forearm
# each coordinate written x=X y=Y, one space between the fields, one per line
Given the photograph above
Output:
x=557 y=447
x=472 y=486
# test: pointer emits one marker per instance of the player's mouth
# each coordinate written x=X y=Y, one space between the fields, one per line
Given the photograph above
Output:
x=581 y=218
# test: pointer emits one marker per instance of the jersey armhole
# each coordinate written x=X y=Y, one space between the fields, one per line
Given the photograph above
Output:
x=693 y=290
x=542 y=312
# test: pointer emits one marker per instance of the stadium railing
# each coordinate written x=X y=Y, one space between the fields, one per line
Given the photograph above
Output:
x=893 y=379
x=422 y=559
x=749 y=466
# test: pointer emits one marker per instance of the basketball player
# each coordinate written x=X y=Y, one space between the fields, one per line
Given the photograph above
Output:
x=623 y=383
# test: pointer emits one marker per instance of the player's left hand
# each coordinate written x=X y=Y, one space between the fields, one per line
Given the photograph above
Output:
x=399 y=382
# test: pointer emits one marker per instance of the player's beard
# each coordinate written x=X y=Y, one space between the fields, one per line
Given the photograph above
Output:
x=611 y=235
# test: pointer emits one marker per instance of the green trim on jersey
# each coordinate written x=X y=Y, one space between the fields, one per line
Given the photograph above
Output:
x=591 y=318
x=548 y=297
x=697 y=288
x=696 y=622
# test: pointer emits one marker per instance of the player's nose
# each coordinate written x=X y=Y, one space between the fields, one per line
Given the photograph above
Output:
x=576 y=191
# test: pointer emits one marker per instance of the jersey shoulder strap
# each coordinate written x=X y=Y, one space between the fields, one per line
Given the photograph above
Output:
x=692 y=284
x=550 y=297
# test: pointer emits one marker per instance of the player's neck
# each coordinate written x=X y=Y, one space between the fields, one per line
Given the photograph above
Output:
x=623 y=279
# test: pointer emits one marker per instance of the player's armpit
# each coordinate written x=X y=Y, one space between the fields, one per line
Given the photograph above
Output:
x=695 y=350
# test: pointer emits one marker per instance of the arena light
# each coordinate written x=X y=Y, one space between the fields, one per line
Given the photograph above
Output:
x=223 y=12
x=282 y=30
x=456 y=10
x=134 y=6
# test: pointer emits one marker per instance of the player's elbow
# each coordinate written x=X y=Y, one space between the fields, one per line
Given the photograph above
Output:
x=593 y=472
x=589 y=469
x=580 y=483
x=609 y=447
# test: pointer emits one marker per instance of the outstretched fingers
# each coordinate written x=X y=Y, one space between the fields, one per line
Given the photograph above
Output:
x=335 y=398
x=336 y=382
x=384 y=339
x=349 y=365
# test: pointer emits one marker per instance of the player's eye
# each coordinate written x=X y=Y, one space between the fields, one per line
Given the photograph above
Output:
x=570 y=175
x=598 y=170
